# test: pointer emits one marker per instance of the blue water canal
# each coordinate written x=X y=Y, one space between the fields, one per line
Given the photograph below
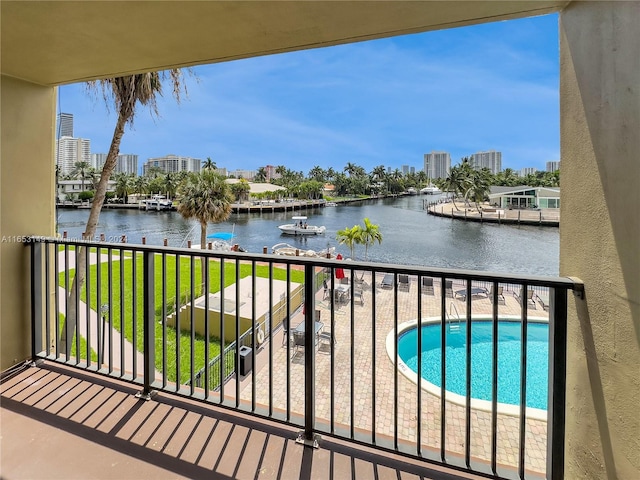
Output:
x=410 y=235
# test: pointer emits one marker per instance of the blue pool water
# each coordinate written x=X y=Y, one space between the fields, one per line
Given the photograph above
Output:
x=509 y=352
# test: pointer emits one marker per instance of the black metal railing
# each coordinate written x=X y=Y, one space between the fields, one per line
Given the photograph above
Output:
x=319 y=343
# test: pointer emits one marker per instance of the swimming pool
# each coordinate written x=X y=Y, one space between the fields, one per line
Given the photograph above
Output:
x=509 y=352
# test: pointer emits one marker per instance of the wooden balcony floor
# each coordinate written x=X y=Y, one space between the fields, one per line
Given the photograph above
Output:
x=59 y=422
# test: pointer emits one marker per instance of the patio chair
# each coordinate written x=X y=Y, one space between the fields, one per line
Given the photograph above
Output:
x=298 y=341
x=358 y=294
x=403 y=283
x=327 y=290
x=358 y=279
x=448 y=288
x=427 y=286
x=387 y=280
x=543 y=300
x=325 y=338
x=501 y=299
x=344 y=280
x=530 y=301
x=285 y=330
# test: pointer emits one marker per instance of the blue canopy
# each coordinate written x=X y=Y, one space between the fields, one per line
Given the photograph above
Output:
x=221 y=235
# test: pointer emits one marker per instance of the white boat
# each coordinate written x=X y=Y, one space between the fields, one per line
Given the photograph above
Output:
x=290 y=250
x=157 y=202
x=430 y=190
x=331 y=204
x=412 y=191
x=300 y=227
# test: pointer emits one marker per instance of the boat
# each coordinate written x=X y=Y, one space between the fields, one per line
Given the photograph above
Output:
x=290 y=250
x=412 y=191
x=300 y=227
x=430 y=190
x=157 y=202
x=331 y=204
x=221 y=242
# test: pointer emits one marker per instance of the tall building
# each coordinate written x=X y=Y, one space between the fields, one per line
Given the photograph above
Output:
x=437 y=164
x=490 y=159
x=270 y=171
x=553 y=166
x=126 y=163
x=172 y=164
x=528 y=171
x=64 y=125
x=70 y=150
x=405 y=170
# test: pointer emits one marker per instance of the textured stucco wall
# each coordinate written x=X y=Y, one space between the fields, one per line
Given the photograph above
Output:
x=600 y=235
x=26 y=203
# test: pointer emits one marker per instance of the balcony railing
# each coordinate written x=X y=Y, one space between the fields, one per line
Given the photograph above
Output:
x=355 y=350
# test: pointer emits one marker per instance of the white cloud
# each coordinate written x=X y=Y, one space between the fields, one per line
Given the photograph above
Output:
x=385 y=102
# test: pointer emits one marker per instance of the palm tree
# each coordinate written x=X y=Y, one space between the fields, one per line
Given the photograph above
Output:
x=170 y=184
x=209 y=164
x=350 y=237
x=369 y=235
x=317 y=173
x=140 y=185
x=350 y=169
x=126 y=92
x=81 y=169
x=479 y=185
x=261 y=175
x=206 y=197
x=454 y=183
x=241 y=190
x=123 y=185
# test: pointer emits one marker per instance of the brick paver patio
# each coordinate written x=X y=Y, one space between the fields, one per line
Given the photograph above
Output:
x=366 y=408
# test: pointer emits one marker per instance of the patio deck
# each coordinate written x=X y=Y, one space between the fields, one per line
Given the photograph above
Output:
x=62 y=423
x=386 y=394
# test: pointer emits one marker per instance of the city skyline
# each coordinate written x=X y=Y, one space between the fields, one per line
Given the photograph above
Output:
x=384 y=102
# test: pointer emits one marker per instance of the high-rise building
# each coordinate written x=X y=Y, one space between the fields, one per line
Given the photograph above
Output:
x=437 y=164
x=405 y=170
x=270 y=171
x=64 y=125
x=490 y=159
x=172 y=164
x=70 y=150
x=553 y=166
x=126 y=163
x=528 y=171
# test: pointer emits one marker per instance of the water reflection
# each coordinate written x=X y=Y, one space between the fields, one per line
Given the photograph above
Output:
x=410 y=236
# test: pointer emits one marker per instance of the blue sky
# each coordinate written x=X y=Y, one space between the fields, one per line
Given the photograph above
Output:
x=383 y=102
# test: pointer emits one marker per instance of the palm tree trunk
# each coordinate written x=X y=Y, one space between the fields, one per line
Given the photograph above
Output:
x=90 y=231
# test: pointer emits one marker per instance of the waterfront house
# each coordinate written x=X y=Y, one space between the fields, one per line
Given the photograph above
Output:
x=69 y=189
x=47 y=44
x=525 y=197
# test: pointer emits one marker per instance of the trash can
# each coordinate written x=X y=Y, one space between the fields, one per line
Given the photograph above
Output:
x=245 y=360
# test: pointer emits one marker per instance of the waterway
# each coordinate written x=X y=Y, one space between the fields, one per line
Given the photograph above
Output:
x=410 y=235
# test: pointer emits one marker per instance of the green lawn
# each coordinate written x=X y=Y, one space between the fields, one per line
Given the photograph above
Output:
x=127 y=303
x=83 y=344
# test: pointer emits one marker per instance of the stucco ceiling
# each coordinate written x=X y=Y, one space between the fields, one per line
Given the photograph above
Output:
x=57 y=42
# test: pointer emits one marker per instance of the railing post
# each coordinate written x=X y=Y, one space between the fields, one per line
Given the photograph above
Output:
x=557 y=383
x=307 y=436
x=148 y=341
x=37 y=299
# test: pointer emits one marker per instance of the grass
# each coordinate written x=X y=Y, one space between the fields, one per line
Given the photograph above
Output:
x=126 y=314
x=83 y=344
